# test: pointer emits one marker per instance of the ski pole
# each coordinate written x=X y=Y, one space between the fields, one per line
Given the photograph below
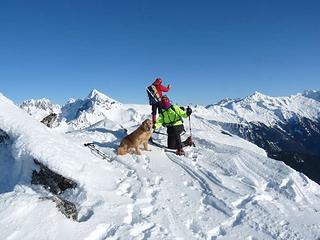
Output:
x=190 y=124
x=190 y=132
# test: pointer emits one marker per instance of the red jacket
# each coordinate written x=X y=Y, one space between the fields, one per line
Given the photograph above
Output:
x=160 y=88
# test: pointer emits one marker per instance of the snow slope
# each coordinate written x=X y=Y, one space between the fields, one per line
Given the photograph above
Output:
x=225 y=188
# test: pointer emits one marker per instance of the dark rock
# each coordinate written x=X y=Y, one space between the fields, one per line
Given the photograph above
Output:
x=49 y=120
x=66 y=207
x=52 y=181
x=56 y=184
x=4 y=137
x=226 y=133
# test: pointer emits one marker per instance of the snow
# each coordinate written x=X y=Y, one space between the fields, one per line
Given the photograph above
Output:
x=224 y=188
x=40 y=108
x=79 y=114
x=262 y=108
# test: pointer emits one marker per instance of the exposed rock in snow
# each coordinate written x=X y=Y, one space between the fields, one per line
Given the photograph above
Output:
x=66 y=207
x=49 y=120
x=53 y=182
x=4 y=137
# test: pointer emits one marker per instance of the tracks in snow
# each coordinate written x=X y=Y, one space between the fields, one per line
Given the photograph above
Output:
x=164 y=188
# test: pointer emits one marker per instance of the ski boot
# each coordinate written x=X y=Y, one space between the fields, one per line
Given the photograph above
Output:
x=180 y=152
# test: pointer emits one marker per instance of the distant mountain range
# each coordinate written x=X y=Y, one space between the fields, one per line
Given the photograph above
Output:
x=288 y=128
x=82 y=113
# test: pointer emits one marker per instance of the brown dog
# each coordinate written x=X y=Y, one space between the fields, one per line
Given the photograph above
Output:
x=140 y=136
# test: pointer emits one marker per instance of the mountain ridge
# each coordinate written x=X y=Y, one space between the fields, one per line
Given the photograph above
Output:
x=288 y=128
x=226 y=187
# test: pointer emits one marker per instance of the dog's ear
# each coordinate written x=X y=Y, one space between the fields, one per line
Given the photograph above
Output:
x=143 y=123
x=146 y=122
x=146 y=125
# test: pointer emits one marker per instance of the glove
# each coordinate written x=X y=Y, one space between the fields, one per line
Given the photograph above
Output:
x=153 y=126
x=182 y=108
x=189 y=111
x=169 y=86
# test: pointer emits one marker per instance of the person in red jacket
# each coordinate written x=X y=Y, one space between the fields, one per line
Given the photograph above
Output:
x=155 y=93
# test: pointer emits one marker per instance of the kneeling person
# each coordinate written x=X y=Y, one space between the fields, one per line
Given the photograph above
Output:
x=171 y=117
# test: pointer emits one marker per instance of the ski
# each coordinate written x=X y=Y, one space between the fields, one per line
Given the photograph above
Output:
x=187 y=142
x=154 y=143
x=160 y=133
x=93 y=148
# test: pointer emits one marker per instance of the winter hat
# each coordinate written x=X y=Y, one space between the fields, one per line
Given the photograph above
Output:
x=158 y=81
x=165 y=102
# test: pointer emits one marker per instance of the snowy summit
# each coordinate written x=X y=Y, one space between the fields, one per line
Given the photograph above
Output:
x=224 y=188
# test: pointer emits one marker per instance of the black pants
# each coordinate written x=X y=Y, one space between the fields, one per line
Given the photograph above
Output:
x=156 y=106
x=174 y=138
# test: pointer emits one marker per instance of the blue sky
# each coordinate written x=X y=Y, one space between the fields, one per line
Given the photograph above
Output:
x=206 y=50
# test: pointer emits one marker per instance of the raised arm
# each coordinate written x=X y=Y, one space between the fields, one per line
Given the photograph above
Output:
x=164 y=89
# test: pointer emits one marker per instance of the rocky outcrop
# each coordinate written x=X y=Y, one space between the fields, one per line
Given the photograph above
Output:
x=49 y=120
x=56 y=184
x=66 y=207
x=4 y=137
x=53 y=182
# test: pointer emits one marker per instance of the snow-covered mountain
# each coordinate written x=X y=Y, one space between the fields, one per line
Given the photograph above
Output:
x=225 y=188
x=95 y=103
x=82 y=113
x=288 y=128
x=312 y=94
x=40 y=108
x=267 y=110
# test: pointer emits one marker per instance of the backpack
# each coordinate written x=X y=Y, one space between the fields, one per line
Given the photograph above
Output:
x=153 y=94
